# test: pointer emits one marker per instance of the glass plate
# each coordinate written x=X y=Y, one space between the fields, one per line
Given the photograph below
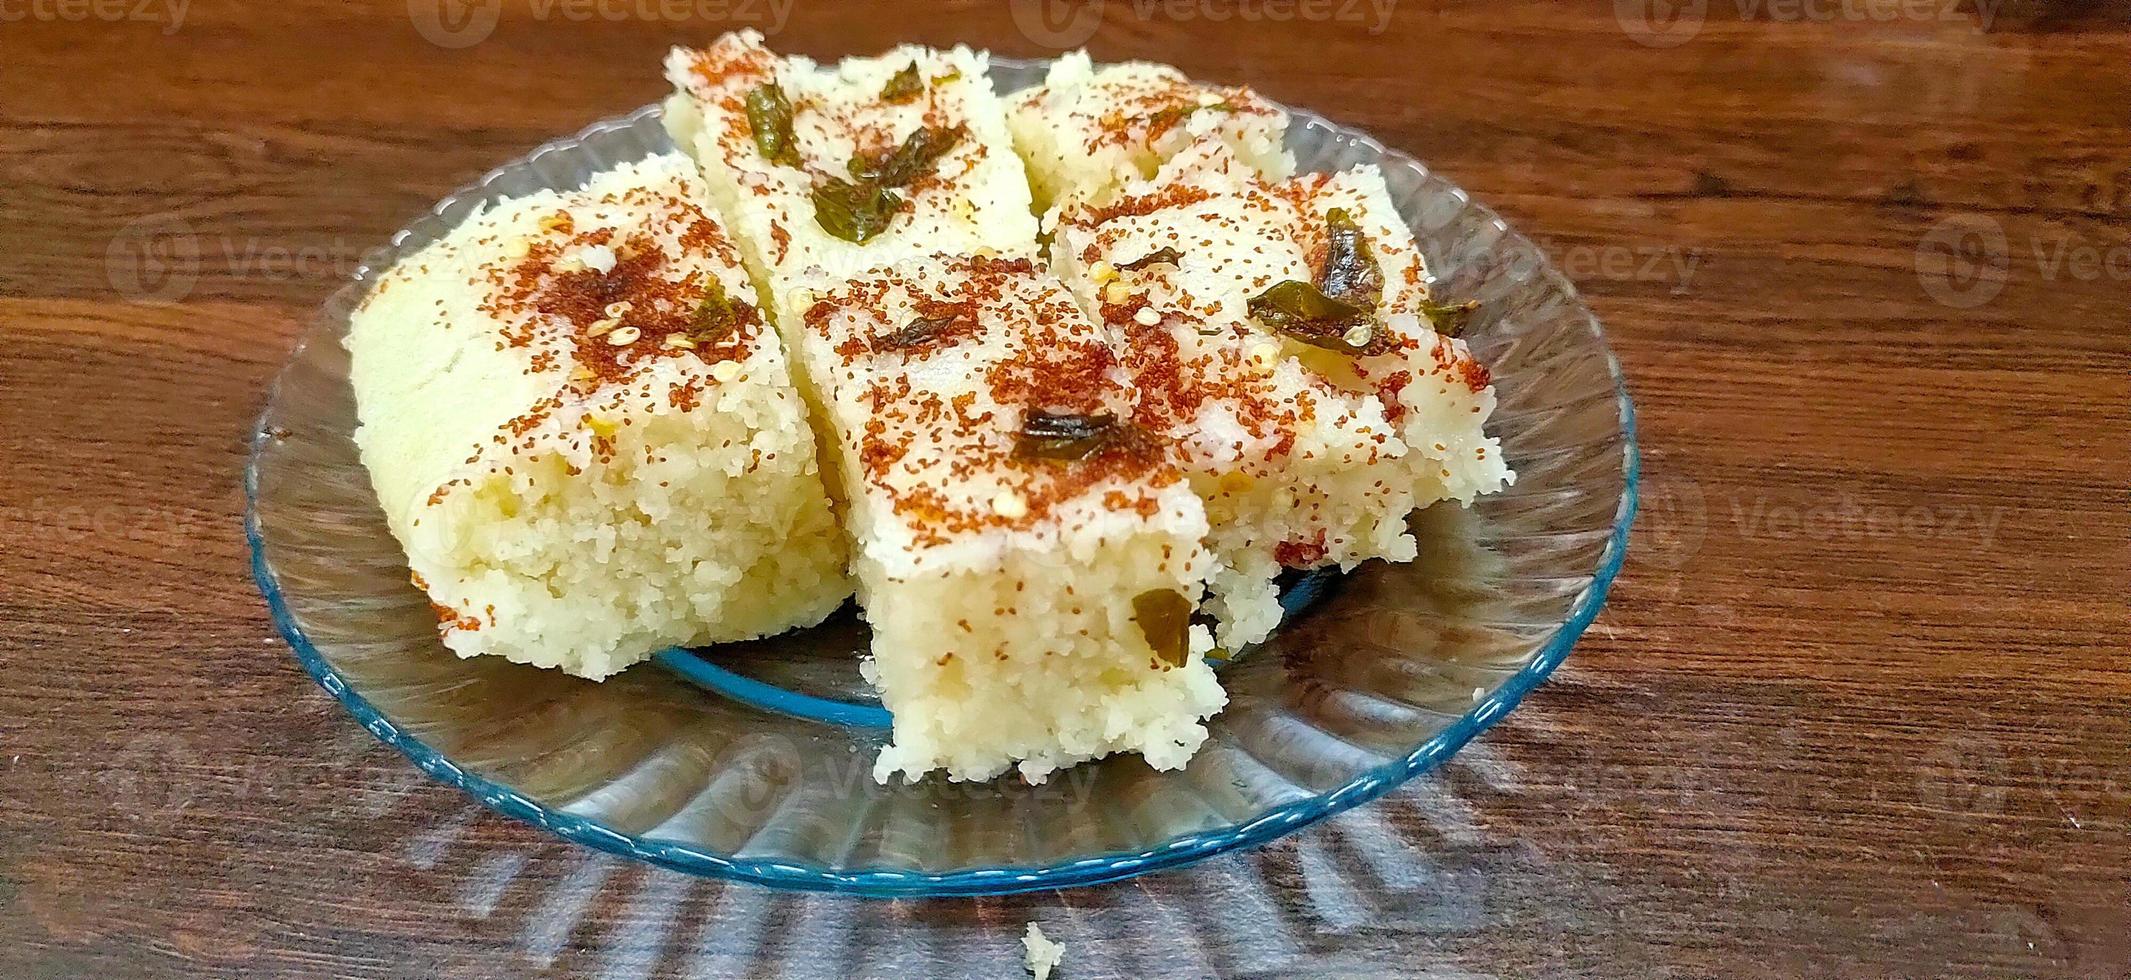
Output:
x=753 y=760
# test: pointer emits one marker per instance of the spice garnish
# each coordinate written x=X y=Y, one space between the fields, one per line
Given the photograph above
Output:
x=769 y=114
x=919 y=151
x=918 y=332
x=1164 y=118
x=1160 y=255
x=856 y=210
x=904 y=85
x=1064 y=436
x=1350 y=272
x=1164 y=617
x=1302 y=311
x=853 y=212
x=717 y=316
x=1449 y=319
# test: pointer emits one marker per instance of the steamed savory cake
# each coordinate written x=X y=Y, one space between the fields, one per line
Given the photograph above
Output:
x=1294 y=472
x=1064 y=459
x=1086 y=130
x=1028 y=611
x=1309 y=449
x=1027 y=559
x=788 y=146
x=584 y=434
x=1434 y=390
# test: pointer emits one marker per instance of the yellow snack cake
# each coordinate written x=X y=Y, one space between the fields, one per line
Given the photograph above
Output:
x=584 y=434
x=1029 y=562
x=1086 y=130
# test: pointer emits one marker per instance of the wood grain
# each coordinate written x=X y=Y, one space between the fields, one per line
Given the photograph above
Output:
x=1858 y=706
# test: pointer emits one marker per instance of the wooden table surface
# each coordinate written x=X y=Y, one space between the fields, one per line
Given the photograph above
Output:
x=1859 y=705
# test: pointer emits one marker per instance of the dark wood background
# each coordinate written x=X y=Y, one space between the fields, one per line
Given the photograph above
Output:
x=1859 y=705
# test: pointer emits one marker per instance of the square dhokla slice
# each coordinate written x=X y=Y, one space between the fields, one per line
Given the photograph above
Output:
x=1087 y=130
x=1432 y=387
x=958 y=188
x=1027 y=560
x=584 y=434
x=1224 y=235
x=1323 y=471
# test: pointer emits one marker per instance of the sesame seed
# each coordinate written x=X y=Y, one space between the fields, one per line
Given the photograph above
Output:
x=1146 y=316
x=624 y=336
x=1010 y=505
x=600 y=327
x=724 y=371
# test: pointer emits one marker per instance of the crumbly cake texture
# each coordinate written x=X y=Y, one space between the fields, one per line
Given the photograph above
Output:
x=1305 y=457
x=973 y=197
x=584 y=434
x=1005 y=588
x=1039 y=955
x=1087 y=130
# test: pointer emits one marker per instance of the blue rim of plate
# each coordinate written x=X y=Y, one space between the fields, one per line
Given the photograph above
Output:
x=1093 y=870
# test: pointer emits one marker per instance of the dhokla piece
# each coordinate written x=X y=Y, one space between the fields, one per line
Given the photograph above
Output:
x=1431 y=386
x=584 y=434
x=1294 y=471
x=1086 y=131
x=855 y=166
x=1028 y=561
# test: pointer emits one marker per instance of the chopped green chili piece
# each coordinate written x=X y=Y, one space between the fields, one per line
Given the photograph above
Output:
x=1302 y=311
x=1350 y=272
x=1449 y=319
x=717 y=316
x=1064 y=436
x=853 y=212
x=769 y=114
x=904 y=85
x=1160 y=255
x=1164 y=617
